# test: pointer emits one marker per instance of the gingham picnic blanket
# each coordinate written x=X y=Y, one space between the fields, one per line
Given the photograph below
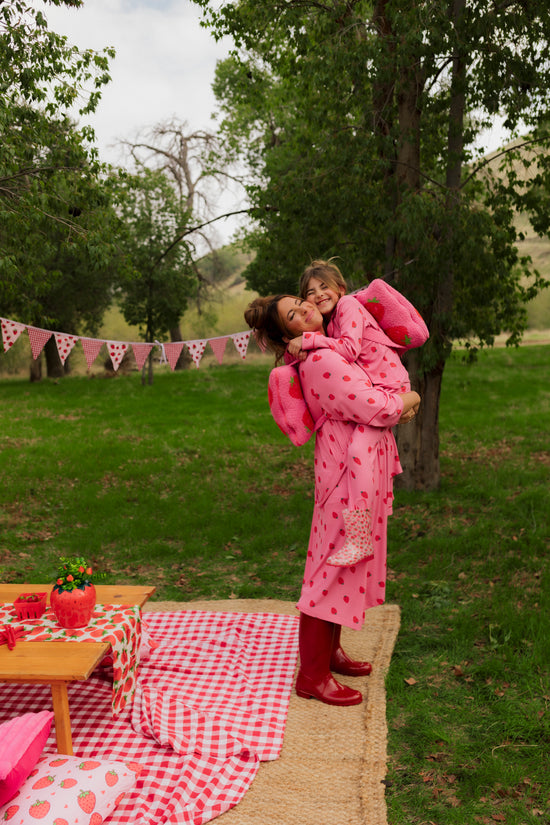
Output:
x=211 y=703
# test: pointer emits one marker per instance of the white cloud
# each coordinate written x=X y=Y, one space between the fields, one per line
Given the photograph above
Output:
x=164 y=64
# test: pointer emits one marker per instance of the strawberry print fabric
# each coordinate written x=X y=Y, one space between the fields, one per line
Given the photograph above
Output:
x=11 y=330
x=342 y=392
x=212 y=702
x=355 y=335
x=241 y=339
x=65 y=344
x=399 y=319
x=118 y=625
x=68 y=790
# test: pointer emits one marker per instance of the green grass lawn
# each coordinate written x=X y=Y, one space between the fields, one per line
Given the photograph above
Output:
x=188 y=485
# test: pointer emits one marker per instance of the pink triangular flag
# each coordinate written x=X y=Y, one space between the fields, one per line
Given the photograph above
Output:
x=11 y=330
x=38 y=338
x=116 y=350
x=141 y=353
x=173 y=352
x=91 y=347
x=196 y=348
x=241 y=339
x=65 y=343
x=218 y=347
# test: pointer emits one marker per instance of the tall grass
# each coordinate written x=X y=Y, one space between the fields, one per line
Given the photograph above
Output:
x=188 y=485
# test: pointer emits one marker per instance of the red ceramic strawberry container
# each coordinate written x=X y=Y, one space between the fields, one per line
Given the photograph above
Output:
x=30 y=605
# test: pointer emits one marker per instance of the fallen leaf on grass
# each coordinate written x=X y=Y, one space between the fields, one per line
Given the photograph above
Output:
x=410 y=681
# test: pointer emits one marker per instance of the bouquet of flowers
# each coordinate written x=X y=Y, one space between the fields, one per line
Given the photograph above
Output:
x=73 y=573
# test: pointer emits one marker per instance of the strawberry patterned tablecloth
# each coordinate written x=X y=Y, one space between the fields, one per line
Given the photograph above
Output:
x=119 y=625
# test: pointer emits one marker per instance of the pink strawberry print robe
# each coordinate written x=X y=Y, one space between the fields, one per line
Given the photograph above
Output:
x=355 y=335
x=334 y=387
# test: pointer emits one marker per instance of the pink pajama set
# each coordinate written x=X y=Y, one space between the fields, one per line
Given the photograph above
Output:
x=345 y=397
x=355 y=335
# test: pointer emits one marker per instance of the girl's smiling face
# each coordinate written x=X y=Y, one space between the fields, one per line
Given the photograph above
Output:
x=298 y=316
x=323 y=296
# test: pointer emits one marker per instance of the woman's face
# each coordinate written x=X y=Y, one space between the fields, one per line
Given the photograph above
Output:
x=298 y=316
x=322 y=295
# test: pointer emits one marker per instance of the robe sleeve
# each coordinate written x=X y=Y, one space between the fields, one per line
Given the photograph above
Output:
x=337 y=389
x=347 y=324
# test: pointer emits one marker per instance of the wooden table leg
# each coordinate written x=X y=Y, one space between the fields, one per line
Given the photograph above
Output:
x=62 y=718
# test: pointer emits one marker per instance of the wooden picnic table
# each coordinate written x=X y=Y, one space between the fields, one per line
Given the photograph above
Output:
x=105 y=593
x=58 y=663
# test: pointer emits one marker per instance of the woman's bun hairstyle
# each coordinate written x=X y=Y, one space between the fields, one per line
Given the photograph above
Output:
x=262 y=315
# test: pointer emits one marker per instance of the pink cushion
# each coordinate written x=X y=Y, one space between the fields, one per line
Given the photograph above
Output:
x=287 y=404
x=399 y=319
x=70 y=790
x=22 y=740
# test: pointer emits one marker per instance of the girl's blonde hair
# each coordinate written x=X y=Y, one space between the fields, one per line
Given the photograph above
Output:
x=325 y=271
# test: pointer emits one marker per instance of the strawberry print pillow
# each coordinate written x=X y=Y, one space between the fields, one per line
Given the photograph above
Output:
x=70 y=790
x=287 y=404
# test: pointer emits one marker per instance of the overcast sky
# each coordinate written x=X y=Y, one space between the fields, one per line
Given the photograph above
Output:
x=164 y=64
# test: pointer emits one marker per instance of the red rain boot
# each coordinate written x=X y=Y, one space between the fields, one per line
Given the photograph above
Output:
x=340 y=662
x=315 y=681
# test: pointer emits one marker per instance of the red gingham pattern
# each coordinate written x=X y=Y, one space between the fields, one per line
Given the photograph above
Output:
x=224 y=682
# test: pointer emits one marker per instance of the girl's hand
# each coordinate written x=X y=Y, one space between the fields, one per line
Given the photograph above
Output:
x=294 y=347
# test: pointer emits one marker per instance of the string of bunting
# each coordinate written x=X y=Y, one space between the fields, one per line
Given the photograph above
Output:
x=170 y=352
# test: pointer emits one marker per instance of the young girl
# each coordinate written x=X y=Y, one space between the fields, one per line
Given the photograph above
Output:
x=355 y=334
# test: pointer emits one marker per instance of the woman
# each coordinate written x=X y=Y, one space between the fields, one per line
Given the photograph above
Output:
x=343 y=396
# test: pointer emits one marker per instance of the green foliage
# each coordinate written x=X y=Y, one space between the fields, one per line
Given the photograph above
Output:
x=155 y=291
x=57 y=244
x=353 y=119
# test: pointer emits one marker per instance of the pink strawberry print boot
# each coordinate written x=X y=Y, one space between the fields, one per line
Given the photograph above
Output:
x=358 y=544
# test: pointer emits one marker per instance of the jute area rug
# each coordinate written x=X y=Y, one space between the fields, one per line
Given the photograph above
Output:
x=333 y=761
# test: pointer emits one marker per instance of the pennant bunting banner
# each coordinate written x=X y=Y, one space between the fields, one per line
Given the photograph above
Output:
x=38 y=338
x=241 y=339
x=11 y=331
x=217 y=345
x=65 y=344
x=169 y=352
x=196 y=349
x=141 y=353
x=91 y=347
x=116 y=350
x=173 y=352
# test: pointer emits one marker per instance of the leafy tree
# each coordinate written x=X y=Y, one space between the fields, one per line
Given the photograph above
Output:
x=359 y=122
x=57 y=224
x=156 y=288
x=189 y=162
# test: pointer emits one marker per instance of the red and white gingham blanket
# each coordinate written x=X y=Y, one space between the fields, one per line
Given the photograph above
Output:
x=211 y=703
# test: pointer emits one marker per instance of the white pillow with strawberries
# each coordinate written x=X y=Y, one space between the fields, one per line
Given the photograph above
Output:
x=70 y=790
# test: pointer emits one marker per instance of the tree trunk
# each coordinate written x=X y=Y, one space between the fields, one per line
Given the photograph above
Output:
x=36 y=369
x=418 y=441
x=184 y=361
x=54 y=365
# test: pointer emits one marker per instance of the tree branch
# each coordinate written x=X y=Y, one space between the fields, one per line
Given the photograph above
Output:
x=182 y=235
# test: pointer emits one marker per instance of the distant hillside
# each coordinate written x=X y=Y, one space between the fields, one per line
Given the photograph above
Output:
x=538 y=311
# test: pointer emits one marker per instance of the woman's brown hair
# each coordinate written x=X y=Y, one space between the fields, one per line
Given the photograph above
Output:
x=262 y=315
